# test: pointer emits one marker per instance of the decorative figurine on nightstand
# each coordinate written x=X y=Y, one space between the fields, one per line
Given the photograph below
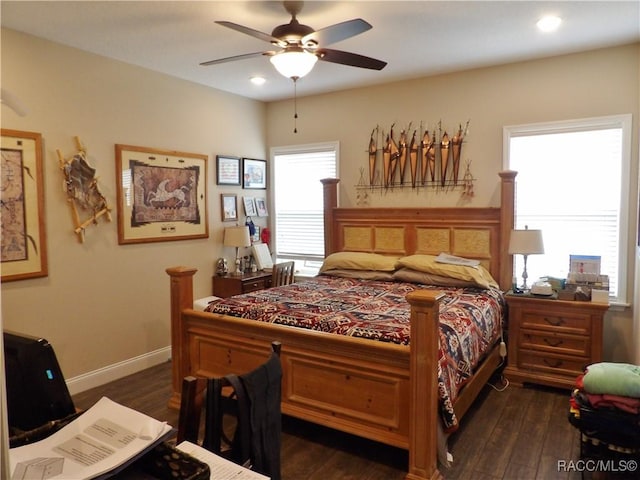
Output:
x=222 y=268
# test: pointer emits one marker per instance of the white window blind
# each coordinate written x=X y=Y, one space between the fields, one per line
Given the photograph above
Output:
x=298 y=199
x=572 y=184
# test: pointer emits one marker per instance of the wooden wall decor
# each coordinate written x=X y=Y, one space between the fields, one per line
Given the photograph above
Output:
x=405 y=161
x=83 y=195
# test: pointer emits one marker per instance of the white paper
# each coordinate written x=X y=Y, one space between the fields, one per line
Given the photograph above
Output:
x=453 y=260
x=221 y=468
x=98 y=441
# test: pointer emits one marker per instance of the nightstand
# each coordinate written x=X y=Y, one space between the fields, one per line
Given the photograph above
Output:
x=230 y=284
x=552 y=341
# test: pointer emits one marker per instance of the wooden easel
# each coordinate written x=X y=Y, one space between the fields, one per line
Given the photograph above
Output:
x=92 y=196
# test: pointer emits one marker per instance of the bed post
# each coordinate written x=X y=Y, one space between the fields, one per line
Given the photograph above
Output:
x=330 y=195
x=507 y=221
x=423 y=405
x=181 y=298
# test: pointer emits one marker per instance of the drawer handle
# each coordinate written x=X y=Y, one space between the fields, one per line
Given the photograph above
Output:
x=557 y=323
x=553 y=343
x=554 y=364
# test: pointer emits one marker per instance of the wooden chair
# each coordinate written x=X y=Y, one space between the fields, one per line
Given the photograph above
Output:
x=255 y=404
x=282 y=273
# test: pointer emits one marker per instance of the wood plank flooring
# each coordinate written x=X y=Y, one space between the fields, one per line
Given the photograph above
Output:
x=519 y=433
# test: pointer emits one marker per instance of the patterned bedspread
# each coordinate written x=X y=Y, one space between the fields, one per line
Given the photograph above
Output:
x=470 y=320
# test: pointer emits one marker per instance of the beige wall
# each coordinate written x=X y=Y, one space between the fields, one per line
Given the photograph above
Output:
x=601 y=82
x=104 y=303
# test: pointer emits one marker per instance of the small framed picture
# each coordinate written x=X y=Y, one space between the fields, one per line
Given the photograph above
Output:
x=254 y=173
x=255 y=238
x=229 y=207
x=227 y=170
x=249 y=207
x=261 y=207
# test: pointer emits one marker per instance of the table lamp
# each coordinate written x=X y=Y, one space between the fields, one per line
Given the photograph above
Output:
x=237 y=237
x=526 y=242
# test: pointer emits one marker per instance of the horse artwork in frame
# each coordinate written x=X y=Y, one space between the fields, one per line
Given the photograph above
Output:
x=161 y=195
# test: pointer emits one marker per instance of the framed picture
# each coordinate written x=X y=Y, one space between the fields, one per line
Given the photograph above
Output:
x=162 y=195
x=229 y=207
x=24 y=242
x=261 y=207
x=249 y=207
x=227 y=170
x=254 y=173
x=255 y=238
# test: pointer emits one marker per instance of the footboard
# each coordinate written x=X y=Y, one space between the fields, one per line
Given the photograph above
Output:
x=380 y=391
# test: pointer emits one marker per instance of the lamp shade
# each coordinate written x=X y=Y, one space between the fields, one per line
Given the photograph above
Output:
x=237 y=237
x=526 y=242
x=294 y=62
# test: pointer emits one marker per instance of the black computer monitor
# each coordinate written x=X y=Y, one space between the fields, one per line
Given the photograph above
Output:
x=36 y=389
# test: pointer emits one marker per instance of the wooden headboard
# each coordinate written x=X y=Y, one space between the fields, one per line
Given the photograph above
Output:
x=479 y=233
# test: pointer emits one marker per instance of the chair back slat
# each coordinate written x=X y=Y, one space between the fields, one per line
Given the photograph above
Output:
x=282 y=274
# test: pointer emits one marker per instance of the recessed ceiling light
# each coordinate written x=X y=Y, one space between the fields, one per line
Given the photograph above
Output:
x=549 y=23
x=258 y=80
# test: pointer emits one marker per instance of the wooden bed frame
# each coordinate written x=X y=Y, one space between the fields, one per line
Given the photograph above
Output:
x=376 y=390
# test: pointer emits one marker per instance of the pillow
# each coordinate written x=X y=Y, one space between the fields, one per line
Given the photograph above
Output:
x=359 y=261
x=361 y=274
x=414 y=276
x=427 y=263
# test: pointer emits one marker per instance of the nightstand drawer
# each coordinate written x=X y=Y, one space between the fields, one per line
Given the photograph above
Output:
x=231 y=284
x=541 y=363
x=254 y=285
x=577 y=324
x=576 y=345
x=551 y=341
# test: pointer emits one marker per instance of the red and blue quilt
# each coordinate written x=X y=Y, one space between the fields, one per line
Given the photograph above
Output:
x=470 y=320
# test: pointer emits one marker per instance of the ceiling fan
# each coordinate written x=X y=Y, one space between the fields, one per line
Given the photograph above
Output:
x=301 y=46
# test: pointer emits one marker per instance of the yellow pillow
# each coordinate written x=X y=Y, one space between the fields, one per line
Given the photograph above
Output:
x=359 y=261
x=427 y=263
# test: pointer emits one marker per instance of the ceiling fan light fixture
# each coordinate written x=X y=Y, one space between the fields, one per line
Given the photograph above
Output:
x=294 y=63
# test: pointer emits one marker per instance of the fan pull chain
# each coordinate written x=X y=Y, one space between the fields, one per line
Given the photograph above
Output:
x=295 y=104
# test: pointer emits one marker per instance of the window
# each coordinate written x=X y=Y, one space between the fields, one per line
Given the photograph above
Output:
x=573 y=184
x=298 y=202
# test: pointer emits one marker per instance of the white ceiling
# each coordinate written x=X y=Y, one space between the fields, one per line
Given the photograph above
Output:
x=416 y=38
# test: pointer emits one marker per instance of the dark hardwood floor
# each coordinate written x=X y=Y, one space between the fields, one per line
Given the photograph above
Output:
x=519 y=433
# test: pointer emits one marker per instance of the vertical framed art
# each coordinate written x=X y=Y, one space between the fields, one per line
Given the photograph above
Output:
x=24 y=245
x=229 y=207
x=254 y=173
x=227 y=170
x=249 y=206
x=261 y=207
x=162 y=195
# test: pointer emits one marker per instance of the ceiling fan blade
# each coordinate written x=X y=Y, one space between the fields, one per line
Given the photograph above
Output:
x=337 y=32
x=351 y=59
x=236 y=57
x=254 y=33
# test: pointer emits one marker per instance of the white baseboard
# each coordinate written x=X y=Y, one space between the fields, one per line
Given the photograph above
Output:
x=118 y=370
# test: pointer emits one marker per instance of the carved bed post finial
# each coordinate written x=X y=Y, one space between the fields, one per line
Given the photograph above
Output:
x=423 y=367
x=181 y=298
x=330 y=194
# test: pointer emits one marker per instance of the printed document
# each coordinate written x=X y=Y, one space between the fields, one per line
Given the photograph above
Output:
x=221 y=468
x=100 y=440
